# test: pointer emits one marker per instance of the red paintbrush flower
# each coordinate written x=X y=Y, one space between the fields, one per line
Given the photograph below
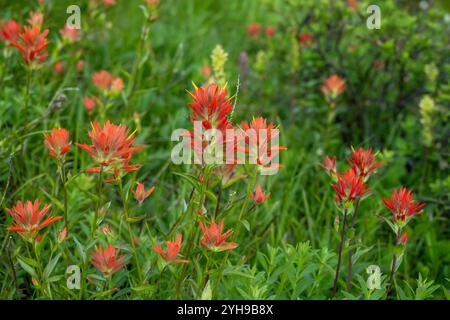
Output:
x=260 y=141
x=80 y=66
x=364 y=162
x=10 y=31
x=36 y=19
x=107 y=82
x=270 y=31
x=306 y=39
x=404 y=239
x=333 y=86
x=107 y=261
x=59 y=67
x=29 y=218
x=330 y=166
x=353 y=4
x=206 y=71
x=403 y=206
x=253 y=29
x=258 y=196
x=89 y=104
x=214 y=240
x=172 y=251
x=349 y=187
x=33 y=44
x=111 y=146
x=109 y=3
x=69 y=34
x=211 y=105
x=57 y=142
x=140 y=194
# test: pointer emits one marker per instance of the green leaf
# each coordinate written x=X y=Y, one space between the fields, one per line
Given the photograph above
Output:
x=207 y=292
x=51 y=265
x=55 y=278
x=393 y=226
x=136 y=219
x=189 y=178
x=246 y=224
x=80 y=248
x=29 y=269
x=29 y=261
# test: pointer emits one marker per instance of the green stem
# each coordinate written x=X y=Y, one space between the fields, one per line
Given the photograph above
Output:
x=64 y=181
x=394 y=262
x=341 y=246
x=204 y=280
x=130 y=231
x=110 y=287
x=350 y=252
x=193 y=231
x=250 y=187
x=99 y=197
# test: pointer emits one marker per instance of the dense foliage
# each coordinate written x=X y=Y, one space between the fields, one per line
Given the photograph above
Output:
x=312 y=68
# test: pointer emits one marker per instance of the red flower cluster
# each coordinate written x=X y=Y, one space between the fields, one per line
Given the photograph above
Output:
x=29 y=218
x=256 y=140
x=211 y=106
x=306 y=39
x=349 y=187
x=172 y=251
x=107 y=82
x=69 y=34
x=330 y=166
x=253 y=29
x=141 y=194
x=333 y=86
x=31 y=42
x=107 y=261
x=111 y=147
x=57 y=142
x=364 y=162
x=270 y=31
x=10 y=31
x=214 y=240
x=403 y=206
x=259 y=196
x=89 y=103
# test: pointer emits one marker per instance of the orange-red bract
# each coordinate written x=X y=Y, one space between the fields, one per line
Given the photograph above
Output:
x=29 y=218
x=111 y=146
x=211 y=105
x=306 y=39
x=402 y=205
x=270 y=31
x=257 y=140
x=349 y=187
x=258 y=196
x=330 y=165
x=57 y=142
x=107 y=82
x=89 y=104
x=214 y=240
x=107 y=261
x=10 y=31
x=253 y=29
x=140 y=194
x=36 y=19
x=172 y=250
x=364 y=162
x=333 y=86
x=32 y=44
x=69 y=33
